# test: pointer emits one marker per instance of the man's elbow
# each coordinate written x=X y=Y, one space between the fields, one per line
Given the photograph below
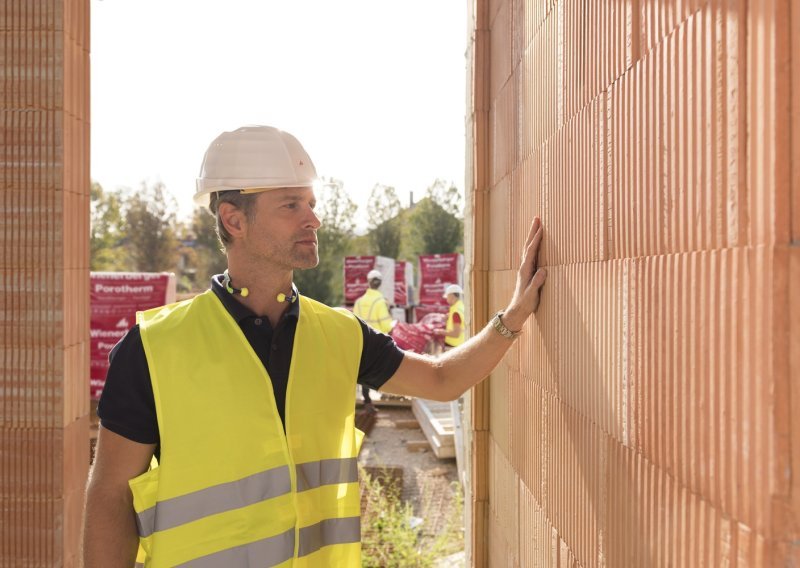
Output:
x=444 y=389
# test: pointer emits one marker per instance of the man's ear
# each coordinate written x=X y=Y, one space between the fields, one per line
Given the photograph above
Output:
x=233 y=219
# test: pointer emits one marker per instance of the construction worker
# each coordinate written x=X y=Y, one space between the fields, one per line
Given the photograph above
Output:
x=373 y=309
x=454 y=329
x=244 y=394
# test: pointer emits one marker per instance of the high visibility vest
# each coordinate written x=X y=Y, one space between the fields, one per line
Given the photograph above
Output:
x=457 y=308
x=373 y=309
x=233 y=488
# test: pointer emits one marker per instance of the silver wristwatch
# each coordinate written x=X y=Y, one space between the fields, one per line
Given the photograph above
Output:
x=501 y=328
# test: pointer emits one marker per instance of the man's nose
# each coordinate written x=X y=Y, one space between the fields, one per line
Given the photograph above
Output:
x=312 y=219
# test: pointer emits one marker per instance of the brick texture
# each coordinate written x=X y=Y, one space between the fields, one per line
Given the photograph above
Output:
x=44 y=271
x=646 y=416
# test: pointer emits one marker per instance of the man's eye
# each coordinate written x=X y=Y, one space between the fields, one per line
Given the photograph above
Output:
x=291 y=205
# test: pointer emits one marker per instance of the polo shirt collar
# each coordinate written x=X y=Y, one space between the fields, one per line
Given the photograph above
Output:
x=238 y=310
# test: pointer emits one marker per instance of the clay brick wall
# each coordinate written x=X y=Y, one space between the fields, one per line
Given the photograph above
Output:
x=44 y=273
x=648 y=415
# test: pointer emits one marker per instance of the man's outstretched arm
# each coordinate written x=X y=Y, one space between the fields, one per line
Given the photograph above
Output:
x=448 y=376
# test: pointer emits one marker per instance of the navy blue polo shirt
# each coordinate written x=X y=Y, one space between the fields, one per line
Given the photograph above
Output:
x=127 y=406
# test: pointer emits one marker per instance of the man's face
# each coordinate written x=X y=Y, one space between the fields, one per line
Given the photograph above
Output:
x=283 y=231
x=451 y=299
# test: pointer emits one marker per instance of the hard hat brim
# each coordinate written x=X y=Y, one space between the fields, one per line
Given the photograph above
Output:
x=202 y=197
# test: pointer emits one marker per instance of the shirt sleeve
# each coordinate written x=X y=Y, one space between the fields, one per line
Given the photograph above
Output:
x=380 y=358
x=457 y=318
x=127 y=406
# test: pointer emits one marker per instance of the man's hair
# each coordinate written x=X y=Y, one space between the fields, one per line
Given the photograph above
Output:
x=244 y=201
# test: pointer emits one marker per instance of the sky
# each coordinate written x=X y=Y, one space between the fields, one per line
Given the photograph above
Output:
x=375 y=90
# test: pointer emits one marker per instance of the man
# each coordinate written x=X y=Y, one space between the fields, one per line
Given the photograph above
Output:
x=454 y=329
x=373 y=309
x=245 y=392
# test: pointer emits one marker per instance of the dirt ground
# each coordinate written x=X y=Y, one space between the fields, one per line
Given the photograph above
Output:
x=428 y=482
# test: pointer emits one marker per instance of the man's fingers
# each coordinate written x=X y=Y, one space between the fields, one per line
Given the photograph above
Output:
x=532 y=248
x=539 y=278
x=537 y=223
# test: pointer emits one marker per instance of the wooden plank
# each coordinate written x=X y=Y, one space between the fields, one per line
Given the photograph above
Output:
x=436 y=422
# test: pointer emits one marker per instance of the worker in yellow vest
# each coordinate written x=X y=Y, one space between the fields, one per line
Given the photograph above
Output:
x=454 y=329
x=227 y=432
x=373 y=309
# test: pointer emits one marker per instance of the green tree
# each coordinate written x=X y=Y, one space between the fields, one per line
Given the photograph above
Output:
x=436 y=222
x=384 y=227
x=337 y=213
x=209 y=258
x=150 y=227
x=106 y=250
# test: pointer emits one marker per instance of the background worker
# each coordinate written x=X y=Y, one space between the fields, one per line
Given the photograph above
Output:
x=454 y=329
x=246 y=391
x=373 y=309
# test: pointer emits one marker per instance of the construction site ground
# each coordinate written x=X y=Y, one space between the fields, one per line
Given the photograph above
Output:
x=396 y=442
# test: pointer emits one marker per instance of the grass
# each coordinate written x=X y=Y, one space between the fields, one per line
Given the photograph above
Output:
x=393 y=537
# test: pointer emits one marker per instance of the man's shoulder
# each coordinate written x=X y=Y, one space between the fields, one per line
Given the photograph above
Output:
x=175 y=312
x=328 y=316
x=318 y=307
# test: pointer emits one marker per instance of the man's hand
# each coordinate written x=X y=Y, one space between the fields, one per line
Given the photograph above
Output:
x=366 y=418
x=530 y=279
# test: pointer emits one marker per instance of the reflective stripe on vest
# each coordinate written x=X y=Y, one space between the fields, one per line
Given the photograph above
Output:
x=265 y=552
x=252 y=489
x=174 y=512
x=326 y=472
x=234 y=487
x=327 y=532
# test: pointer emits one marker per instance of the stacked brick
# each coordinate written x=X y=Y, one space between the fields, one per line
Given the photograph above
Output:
x=44 y=194
x=646 y=417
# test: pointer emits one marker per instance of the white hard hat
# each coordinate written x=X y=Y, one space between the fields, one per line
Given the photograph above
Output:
x=253 y=157
x=373 y=274
x=452 y=289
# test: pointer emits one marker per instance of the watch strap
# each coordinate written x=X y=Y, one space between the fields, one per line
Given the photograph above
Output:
x=497 y=324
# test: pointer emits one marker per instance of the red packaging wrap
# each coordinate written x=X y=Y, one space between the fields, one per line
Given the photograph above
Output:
x=421 y=312
x=436 y=271
x=417 y=336
x=356 y=269
x=403 y=283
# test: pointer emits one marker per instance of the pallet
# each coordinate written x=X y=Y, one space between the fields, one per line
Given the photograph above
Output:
x=436 y=421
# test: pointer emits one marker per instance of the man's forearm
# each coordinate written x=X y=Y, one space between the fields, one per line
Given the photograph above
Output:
x=462 y=368
x=449 y=375
x=110 y=538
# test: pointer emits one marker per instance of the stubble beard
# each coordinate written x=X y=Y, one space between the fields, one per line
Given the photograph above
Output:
x=304 y=260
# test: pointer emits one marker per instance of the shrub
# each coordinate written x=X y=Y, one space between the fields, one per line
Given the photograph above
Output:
x=393 y=537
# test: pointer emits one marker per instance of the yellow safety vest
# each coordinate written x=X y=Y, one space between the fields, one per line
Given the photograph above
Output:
x=232 y=488
x=373 y=309
x=457 y=308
